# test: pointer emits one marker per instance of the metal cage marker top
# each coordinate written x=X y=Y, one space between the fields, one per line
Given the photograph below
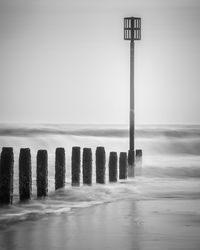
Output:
x=132 y=28
x=132 y=32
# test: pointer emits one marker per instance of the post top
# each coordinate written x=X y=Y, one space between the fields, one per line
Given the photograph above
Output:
x=132 y=17
x=132 y=28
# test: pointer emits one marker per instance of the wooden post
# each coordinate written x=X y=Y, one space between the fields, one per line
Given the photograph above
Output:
x=113 y=167
x=6 y=176
x=25 y=175
x=131 y=157
x=42 y=173
x=138 y=161
x=60 y=168
x=76 y=162
x=131 y=163
x=139 y=157
x=100 y=165
x=87 y=166
x=138 y=153
x=123 y=165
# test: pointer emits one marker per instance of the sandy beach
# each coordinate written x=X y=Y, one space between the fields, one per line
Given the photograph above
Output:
x=159 y=224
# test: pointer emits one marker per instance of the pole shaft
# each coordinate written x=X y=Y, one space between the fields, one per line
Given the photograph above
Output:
x=132 y=101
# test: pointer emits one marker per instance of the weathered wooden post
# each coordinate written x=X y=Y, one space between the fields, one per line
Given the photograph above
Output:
x=138 y=160
x=42 y=173
x=113 y=167
x=139 y=157
x=60 y=168
x=123 y=165
x=138 y=154
x=131 y=163
x=100 y=165
x=131 y=157
x=25 y=174
x=87 y=166
x=132 y=32
x=75 y=167
x=6 y=176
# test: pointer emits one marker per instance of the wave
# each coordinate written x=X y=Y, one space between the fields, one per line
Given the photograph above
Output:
x=70 y=198
x=164 y=140
x=22 y=132
x=183 y=131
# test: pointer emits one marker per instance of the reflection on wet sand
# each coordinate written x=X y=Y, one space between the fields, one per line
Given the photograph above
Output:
x=145 y=224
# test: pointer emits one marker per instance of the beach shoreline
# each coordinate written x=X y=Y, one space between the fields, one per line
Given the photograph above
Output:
x=126 y=224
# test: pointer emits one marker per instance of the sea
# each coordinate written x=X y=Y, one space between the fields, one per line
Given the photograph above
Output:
x=170 y=166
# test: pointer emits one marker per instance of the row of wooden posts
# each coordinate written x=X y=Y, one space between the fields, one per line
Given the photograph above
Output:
x=25 y=171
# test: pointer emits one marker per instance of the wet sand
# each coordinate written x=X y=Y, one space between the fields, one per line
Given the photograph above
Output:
x=145 y=224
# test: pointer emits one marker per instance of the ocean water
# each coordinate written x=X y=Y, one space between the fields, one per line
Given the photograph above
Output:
x=170 y=166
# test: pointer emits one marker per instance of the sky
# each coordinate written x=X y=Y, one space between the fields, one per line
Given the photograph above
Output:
x=66 y=61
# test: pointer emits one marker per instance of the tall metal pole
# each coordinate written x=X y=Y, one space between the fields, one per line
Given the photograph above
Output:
x=132 y=32
x=132 y=101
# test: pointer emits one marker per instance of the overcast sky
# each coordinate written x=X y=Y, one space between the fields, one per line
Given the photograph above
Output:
x=66 y=61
